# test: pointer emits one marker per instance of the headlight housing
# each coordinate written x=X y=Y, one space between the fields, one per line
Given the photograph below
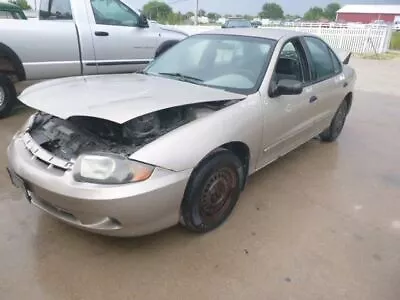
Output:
x=109 y=169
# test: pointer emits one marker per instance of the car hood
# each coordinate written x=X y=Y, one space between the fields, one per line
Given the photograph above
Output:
x=118 y=98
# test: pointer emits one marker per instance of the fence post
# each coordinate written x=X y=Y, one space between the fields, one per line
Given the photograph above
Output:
x=320 y=29
x=385 y=42
x=341 y=38
x=366 y=40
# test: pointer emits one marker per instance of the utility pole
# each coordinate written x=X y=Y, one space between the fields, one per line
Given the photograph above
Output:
x=196 y=14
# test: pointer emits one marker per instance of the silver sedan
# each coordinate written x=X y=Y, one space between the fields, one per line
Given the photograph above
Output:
x=132 y=154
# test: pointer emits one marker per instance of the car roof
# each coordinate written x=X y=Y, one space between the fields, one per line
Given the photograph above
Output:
x=266 y=33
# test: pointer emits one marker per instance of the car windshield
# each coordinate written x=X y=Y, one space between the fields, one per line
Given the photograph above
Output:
x=228 y=62
x=239 y=23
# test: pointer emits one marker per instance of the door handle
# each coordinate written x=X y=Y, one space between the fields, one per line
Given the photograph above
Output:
x=313 y=99
x=101 y=33
x=345 y=84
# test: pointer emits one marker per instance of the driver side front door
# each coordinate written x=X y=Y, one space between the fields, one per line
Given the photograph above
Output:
x=287 y=118
x=120 y=44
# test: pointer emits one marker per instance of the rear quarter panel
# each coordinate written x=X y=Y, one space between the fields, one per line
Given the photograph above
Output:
x=186 y=146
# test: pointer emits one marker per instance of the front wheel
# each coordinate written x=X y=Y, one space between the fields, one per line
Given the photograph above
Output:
x=7 y=96
x=212 y=192
x=336 y=127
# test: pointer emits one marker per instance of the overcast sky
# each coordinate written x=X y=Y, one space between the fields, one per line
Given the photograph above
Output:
x=252 y=6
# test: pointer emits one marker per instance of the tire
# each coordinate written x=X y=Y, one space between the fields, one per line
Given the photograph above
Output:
x=337 y=124
x=164 y=47
x=212 y=192
x=8 y=96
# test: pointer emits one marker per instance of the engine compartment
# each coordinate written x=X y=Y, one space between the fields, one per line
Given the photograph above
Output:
x=67 y=139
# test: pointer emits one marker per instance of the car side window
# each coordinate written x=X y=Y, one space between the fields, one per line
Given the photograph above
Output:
x=114 y=13
x=55 y=10
x=337 y=66
x=321 y=58
x=290 y=63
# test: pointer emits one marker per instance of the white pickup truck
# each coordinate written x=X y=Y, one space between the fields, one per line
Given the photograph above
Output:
x=77 y=37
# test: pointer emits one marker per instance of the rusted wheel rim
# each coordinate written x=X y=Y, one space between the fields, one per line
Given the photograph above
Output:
x=2 y=96
x=217 y=194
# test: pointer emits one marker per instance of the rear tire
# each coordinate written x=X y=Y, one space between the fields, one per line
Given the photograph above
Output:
x=336 y=127
x=8 y=96
x=212 y=192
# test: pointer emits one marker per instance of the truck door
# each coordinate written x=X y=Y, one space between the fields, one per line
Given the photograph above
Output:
x=120 y=44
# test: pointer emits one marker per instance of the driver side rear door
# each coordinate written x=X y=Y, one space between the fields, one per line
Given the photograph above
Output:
x=120 y=44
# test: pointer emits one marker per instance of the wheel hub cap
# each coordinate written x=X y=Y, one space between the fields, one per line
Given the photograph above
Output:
x=217 y=193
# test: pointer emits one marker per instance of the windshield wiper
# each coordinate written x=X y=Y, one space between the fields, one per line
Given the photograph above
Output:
x=182 y=77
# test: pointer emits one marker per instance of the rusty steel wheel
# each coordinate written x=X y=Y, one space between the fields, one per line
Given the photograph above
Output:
x=212 y=192
x=217 y=194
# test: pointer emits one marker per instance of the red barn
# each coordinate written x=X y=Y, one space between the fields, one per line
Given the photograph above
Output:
x=368 y=13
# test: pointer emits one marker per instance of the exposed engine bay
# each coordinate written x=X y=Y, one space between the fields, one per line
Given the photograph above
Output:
x=67 y=139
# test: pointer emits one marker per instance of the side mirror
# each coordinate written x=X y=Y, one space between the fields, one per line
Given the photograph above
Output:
x=143 y=22
x=286 y=87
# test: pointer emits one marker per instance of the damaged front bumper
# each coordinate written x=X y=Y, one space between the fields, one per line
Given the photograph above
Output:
x=119 y=210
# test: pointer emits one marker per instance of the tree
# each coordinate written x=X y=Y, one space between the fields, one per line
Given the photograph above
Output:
x=21 y=3
x=202 y=13
x=331 y=10
x=189 y=14
x=157 y=10
x=314 y=14
x=227 y=16
x=248 y=17
x=271 y=11
x=213 y=16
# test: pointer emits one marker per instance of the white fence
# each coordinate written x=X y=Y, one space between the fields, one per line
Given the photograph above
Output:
x=366 y=39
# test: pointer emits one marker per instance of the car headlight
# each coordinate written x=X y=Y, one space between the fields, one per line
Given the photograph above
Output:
x=110 y=169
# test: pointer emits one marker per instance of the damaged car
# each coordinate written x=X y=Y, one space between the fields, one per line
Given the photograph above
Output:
x=132 y=154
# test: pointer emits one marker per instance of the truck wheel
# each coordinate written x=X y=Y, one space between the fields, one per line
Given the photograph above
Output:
x=8 y=96
x=164 y=47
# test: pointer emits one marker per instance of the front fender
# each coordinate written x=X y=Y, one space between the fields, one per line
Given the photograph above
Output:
x=186 y=146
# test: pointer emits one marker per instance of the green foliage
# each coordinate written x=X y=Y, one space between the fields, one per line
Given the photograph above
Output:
x=157 y=10
x=212 y=17
x=331 y=10
x=271 y=11
x=21 y=3
x=314 y=14
x=395 y=42
x=202 y=13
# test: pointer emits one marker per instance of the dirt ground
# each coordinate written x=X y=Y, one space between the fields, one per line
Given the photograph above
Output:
x=321 y=223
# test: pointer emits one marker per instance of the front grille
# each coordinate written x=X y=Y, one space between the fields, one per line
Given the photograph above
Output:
x=49 y=160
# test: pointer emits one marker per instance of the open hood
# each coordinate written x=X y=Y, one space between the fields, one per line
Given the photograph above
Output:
x=118 y=98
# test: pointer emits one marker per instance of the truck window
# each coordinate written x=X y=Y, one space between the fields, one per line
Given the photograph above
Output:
x=5 y=15
x=114 y=13
x=55 y=10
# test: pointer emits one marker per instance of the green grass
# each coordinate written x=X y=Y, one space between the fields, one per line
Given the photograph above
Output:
x=395 y=42
x=382 y=56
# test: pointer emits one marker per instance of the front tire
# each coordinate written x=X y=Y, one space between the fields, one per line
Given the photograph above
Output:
x=337 y=124
x=212 y=192
x=8 y=96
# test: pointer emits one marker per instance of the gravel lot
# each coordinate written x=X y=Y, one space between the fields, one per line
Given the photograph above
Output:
x=321 y=223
